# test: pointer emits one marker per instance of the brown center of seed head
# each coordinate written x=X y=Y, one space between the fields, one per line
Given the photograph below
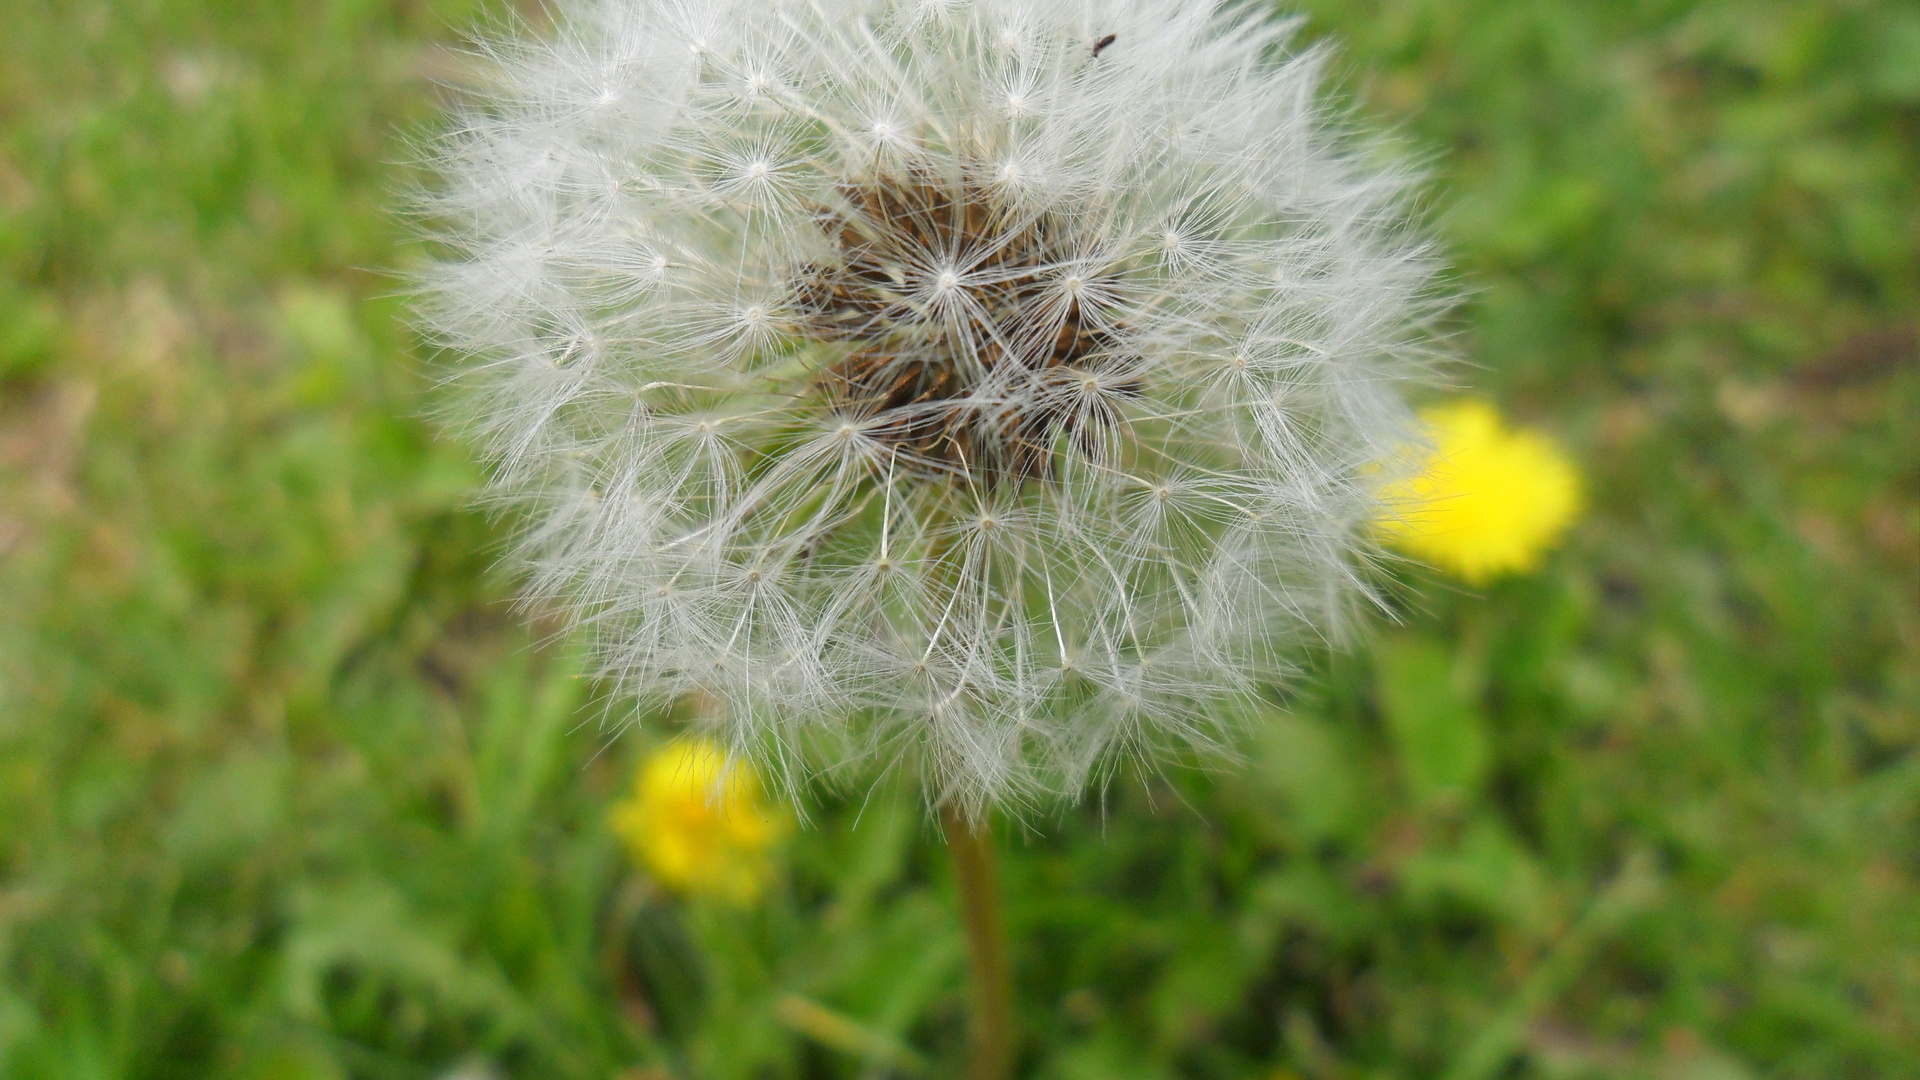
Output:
x=972 y=351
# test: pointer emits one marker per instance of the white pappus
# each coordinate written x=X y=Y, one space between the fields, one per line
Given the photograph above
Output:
x=991 y=387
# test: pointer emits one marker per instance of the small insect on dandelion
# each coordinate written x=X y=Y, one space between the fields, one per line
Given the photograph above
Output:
x=697 y=821
x=1484 y=500
x=916 y=388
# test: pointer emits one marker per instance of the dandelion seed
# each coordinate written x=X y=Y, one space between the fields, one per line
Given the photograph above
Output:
x=1484 y=500
x=992 y=390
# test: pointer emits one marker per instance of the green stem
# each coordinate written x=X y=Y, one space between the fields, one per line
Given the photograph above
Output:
x=990 y=1028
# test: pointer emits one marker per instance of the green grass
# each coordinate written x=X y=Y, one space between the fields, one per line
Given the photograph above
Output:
x=287 y=791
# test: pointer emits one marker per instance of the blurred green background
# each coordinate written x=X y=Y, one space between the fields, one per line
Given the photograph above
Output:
x=288 y=791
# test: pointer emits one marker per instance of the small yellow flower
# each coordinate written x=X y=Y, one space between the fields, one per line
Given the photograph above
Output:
x=698 y=822
x=1485 y=500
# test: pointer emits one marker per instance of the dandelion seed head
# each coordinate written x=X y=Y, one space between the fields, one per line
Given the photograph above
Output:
x=959 y=394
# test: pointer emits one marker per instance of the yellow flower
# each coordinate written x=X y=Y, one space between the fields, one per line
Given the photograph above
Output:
x=1485 y=500
x=698 y=822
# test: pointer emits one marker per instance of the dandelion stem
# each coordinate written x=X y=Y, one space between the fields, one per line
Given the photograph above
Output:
x=990 y=1030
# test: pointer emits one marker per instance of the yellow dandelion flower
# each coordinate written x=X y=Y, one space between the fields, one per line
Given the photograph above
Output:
x=698 y=822
x=1487 y=500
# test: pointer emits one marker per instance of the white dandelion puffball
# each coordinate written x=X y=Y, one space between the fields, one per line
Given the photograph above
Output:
x=988 y=387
